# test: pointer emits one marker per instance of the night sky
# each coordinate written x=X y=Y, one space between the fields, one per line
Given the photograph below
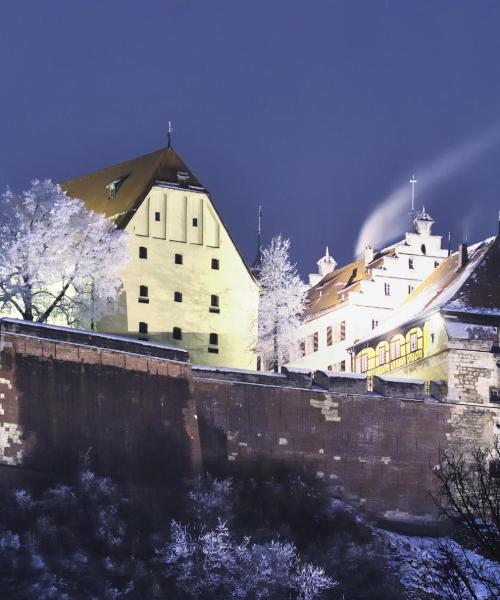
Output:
x=318 y=110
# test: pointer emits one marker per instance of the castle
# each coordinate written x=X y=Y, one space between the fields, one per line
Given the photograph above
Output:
x=401 y=358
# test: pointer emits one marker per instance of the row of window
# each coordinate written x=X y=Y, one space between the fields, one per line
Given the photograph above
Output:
x=213 y=338
x=411 y=264
x=178 y=258
x=144 y=299
x=338 y=367
x=158 y=218
x=383 y=356
x=387 y=289
x=334 y=333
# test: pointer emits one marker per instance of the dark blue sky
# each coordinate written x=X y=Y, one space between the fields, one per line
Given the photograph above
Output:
x=316 y=109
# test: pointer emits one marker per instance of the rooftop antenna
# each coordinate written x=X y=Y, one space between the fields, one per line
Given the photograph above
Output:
x=169 y=134
x=259 y=229
x=449 y=243
x=413 y=181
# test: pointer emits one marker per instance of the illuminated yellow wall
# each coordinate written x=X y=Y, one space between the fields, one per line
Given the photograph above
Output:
x=164 y=224
x=406 y=351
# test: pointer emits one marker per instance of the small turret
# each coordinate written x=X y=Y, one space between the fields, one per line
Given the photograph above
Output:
x=423 y=222
x=326 y=264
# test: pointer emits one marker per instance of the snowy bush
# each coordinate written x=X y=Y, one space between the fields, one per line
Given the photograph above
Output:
x=212 y=564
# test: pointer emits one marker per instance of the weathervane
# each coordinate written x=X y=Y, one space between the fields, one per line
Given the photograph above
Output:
x=413 y=181
x=169 y=134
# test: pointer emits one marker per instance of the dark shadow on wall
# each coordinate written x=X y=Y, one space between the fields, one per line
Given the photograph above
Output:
x=132 y=422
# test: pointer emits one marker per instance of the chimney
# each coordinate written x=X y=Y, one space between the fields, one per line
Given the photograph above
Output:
x=463 y=256
x=369 y=254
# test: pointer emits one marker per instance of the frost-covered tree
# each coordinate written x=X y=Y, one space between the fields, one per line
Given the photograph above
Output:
x=211 y=564
x=281 y=305
x=58 y=261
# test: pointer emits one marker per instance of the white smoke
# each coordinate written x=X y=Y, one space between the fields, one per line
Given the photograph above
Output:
x=391 y=213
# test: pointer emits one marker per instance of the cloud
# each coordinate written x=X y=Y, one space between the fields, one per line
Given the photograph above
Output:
x=391 y=214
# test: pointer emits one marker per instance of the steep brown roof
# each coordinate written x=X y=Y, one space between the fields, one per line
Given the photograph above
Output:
x=327 y=293
x=135 y=178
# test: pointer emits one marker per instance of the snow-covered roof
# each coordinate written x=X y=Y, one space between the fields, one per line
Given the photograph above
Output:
x=471 y=289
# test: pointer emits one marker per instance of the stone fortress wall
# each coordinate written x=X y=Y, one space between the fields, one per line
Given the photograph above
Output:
x=152 y=419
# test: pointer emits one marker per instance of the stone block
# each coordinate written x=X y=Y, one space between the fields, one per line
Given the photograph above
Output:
x=395 y=387
x=342 y=383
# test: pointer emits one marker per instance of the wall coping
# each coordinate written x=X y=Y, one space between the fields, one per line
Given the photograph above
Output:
x=87 y=338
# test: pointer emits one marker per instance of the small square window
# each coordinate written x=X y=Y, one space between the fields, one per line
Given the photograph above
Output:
x=213 y=350
x=215 y=264
x=178 y=259
x=143 y=252
x=177 y=296
x=195 y=222
x=157 y=216
x=214 y=339
x=177 y=333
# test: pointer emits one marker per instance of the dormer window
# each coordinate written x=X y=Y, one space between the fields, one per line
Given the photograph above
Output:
x=113 y=187
x=182 y=177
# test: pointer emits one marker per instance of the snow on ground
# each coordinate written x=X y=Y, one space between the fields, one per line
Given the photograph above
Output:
x=411 y=555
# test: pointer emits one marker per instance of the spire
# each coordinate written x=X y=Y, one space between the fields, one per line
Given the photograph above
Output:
x=256 y=267
x=169 y=134
x=413 y=181
x=327 y=254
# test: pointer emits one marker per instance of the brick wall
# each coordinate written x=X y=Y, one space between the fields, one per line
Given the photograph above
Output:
x=151 y=419
x=375 y=451
x=60 y=398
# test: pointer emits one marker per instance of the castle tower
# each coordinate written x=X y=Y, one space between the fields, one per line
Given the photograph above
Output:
x=423 y=222
x=326 y=265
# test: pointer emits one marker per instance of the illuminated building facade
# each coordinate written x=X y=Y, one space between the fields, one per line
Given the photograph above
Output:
x=347 y=303
x=448 y=330
x=186 y=283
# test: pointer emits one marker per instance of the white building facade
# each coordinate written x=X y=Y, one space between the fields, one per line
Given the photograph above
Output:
x=346 y=304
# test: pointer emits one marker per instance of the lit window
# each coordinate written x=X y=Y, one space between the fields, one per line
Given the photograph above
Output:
x=177 y=333
x=381 y=355
x=387 y=289
x=157 y=216
x=214 y=339
x=178 y=259
x=195 y=222
x=364 y=363
x=144 y=294
x=395 y=349
x=329 y=336
x=413 y=342
x=177 y=296
x=410 y=263
x=143 y=252
x=315 y=341
x=215 y=264
x=358 y=365
x=214 y=304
